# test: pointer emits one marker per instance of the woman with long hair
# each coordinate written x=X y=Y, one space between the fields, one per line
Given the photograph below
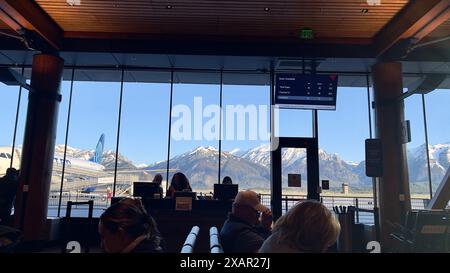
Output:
x=126 y=227
x=179 y=183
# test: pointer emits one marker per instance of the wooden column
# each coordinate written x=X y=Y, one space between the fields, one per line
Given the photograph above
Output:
x=38 y=146
x=394 y=195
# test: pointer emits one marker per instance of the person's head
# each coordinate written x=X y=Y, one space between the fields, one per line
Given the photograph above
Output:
x=308 y=226
x=180 y=182
x=247 y=206
x=12 y=172
x=227 y=180
x=122 y=223
x=158 y=178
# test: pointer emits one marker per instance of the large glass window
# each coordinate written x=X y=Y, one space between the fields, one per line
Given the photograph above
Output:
x=438 y=116
x=91 y=150
x=293 y=123
x=246 y=131
x=416 y=149
x=58 y=161
x=8 y=96
x=195 y=126
x=21 y=121
x=342 y=135
x=144 y=129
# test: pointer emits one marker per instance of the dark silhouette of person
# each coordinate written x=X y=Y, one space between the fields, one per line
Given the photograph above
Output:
x=126 y=227
x=8 y=189
x=179 y=183
x=248 y=224
x=158 y=179
x=227 y=180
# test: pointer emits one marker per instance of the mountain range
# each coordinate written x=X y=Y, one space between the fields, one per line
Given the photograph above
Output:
x=251 y=169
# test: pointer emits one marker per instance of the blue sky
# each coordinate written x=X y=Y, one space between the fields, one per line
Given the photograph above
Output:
x=145 y=109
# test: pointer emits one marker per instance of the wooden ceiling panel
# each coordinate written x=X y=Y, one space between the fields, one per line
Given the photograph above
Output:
x=3 y=25
x=442 y=31
x=328 y=18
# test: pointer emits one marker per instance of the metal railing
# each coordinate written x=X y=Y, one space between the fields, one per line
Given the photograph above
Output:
x=364 y=205
x=101 y=202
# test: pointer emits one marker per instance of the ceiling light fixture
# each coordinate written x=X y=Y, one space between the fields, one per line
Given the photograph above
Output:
x=73 y=2
x=266 y=9
x=169 y=7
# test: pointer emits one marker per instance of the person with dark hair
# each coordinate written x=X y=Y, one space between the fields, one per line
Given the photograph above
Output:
x=126 y=227
x=158 y=179
x=227 y=180
x=8 y=189
x=179 y=183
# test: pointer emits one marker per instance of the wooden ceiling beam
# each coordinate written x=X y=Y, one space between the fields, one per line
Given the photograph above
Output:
x=221 y=46
x=26 y=14
x=417 y=20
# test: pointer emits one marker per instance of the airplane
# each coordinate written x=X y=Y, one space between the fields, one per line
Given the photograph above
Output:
x=89 y=189
x=6 y=154
x=74 y=167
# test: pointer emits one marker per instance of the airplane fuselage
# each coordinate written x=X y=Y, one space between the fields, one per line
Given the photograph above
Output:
x=72 y=164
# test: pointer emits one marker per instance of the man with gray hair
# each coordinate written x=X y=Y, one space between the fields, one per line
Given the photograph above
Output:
x=247 y=226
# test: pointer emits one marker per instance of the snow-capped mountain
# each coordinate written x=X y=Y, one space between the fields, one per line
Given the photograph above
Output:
x=200 y=166
x=108 y=159
x=331 y=166
x=439 y=162
x=259 y=155
x=142 y=166
x=236 y=152
x=252 y=168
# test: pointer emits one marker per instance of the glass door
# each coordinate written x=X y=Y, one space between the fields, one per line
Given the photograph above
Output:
x=294 y=172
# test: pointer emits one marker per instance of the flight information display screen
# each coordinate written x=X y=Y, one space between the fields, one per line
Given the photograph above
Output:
x=306 y=91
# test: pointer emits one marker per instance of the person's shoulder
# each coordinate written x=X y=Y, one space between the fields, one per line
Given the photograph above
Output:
x=151 y=245
x=273 y=244
x=233 y=225
x=269 y=244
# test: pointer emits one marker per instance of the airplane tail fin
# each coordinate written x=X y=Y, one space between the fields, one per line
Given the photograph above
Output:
x=99 y=150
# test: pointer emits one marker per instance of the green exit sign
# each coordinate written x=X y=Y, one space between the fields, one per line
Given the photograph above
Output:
x=307 y=34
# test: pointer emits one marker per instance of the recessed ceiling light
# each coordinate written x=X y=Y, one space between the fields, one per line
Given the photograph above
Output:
x=73 y=2
x=169 y=7
x=266 y=9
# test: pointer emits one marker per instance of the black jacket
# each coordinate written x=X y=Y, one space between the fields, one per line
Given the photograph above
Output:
x=239 y=236
x=8 y=189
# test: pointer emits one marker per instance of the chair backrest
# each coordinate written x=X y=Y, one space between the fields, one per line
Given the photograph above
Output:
x=431 y=231
x=189 y=243
x=214 y=241
x=68 y=227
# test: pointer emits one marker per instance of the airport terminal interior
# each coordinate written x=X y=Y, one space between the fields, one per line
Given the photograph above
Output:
x=327 y=121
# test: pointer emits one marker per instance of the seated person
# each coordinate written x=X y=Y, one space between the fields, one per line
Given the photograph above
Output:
x=125 y=227
x=227 y=180
x=179 y=183
x=244 y=231
x=307 y=227
x=8 y=188
x=158 y=179
x=10 y=238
